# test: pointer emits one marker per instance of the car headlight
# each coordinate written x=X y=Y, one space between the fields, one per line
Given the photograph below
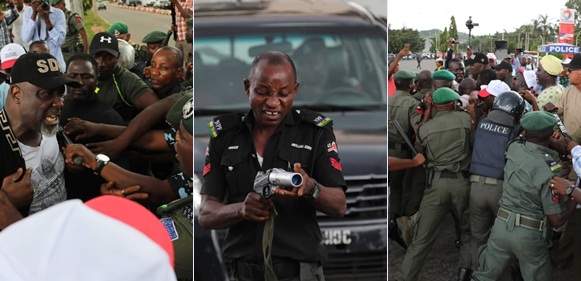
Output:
x=196 y=196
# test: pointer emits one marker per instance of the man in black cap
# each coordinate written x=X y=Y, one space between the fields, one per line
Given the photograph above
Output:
x=32 y=105
x=117 y=86
x=480 y=64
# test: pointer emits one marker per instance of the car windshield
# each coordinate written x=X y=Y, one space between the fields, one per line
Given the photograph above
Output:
x=336 y=70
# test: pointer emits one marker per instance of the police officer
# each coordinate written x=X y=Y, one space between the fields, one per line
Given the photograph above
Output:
x=402 y=108
x=520 y=229
x=491 y=138
x=271 y=135
x=443 y=78
x=177 y=216
x=75 y=32
x=445 y=141
x=153 y=41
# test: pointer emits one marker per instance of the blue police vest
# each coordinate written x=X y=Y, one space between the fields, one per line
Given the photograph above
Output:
x=490 y=141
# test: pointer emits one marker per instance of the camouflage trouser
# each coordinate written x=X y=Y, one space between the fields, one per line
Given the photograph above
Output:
x=444 y=195
x=508 y=241
x=286 y=270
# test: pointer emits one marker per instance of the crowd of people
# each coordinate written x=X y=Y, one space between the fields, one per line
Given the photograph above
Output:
x=493 y=143
x=88 y=118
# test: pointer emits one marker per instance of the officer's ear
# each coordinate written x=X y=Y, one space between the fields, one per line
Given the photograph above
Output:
x=247 y=87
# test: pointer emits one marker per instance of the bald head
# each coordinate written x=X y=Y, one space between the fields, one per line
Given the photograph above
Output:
x=272 y=58
x=172 y=53
x=467 y=86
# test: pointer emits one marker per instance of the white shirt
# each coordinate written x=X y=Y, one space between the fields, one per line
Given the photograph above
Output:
x=34 y=30
x=576 y=155
x=48 y=165
x=16 y=27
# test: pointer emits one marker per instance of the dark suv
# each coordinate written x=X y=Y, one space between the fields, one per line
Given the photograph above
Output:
x=340 y=53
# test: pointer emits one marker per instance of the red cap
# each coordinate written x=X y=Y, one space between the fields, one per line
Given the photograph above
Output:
x=136 y=216
x=483 y=93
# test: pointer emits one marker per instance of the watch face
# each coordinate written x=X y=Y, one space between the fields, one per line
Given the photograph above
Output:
x=103 y=157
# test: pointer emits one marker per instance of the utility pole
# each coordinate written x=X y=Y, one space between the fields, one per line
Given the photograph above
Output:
x=470 y=25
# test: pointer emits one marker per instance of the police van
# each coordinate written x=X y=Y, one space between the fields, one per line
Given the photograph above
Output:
x=339 y=49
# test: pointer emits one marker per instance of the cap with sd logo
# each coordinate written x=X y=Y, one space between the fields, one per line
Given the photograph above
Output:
x=41 y=70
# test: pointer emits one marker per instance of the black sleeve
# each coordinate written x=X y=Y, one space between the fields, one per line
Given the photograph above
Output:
x=328 y=168
x=213 y=173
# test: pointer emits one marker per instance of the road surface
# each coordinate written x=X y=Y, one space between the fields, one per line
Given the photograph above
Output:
x=139 y=23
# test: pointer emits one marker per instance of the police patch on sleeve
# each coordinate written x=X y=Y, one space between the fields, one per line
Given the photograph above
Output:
x=170 y=227
x=336 y=164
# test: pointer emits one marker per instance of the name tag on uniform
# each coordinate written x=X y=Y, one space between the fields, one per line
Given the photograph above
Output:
x=233 y=147
x=170 y=227
x=303 y=146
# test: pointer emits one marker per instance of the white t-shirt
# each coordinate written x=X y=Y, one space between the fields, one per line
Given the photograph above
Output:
x=16 y=26
x=48 y=181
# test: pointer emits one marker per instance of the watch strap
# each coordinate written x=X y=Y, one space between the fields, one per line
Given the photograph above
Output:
x=316 y=190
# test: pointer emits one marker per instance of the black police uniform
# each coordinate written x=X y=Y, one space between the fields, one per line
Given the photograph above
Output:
x=231 y=164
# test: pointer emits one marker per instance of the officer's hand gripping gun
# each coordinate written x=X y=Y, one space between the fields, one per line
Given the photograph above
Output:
x=266 y=182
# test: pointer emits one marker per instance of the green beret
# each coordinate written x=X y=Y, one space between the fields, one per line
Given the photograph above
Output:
x=182 y=112
x=404 y=75
x=154 y=37
x=118 y=28
x=538 y=121
x=443 y=75
x=54 y=2
x=444 y=95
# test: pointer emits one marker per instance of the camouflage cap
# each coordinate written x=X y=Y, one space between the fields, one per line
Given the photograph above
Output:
x=154 y=37
x=404 y=75
x=443 y=74
x=538 y=121
x=444 y=95
x=182 y=112
x=118 y=28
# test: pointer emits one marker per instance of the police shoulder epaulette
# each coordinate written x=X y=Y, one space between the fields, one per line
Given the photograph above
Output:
x=223 y=123
x=314 y=118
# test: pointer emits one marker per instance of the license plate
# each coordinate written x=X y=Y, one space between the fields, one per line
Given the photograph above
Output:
x=336 y=237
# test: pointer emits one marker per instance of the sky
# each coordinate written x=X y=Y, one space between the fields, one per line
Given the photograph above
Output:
x=492 y=15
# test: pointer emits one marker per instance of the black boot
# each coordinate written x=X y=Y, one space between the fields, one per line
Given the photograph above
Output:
x=464 y=274
x=394 y=234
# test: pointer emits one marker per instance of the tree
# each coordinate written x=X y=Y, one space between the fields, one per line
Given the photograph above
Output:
x=398 y=37
x=453 y=33
x=443 y=40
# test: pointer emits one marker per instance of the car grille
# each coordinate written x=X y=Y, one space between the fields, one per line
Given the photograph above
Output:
x=368 y=266
x=366 y=198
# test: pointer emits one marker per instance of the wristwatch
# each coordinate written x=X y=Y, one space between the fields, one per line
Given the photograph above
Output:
x=316 y=190
x=102 y=161
x=570 y=190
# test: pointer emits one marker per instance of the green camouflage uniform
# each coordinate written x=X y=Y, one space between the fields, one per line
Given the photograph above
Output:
x=72 y=42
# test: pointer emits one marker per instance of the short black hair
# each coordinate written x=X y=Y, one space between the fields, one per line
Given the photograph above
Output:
x=456 y=60
x=83 y=57
x=178 y=53
x=37 y=42
x=486 y=76
x=274 y=58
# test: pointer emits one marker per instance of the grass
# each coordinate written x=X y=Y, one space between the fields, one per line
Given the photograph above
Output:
x=94 y=24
